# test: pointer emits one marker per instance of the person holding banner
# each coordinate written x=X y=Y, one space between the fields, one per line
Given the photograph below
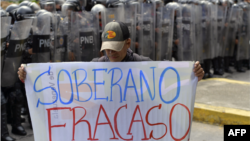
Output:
x=116 y=43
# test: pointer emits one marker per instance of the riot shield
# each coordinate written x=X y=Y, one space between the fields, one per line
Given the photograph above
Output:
x=60 y=52
x=214 y=27
x=87 y=33
x=243 y=44
x=206 y=30
x=164 y=36
x=41 y=38
x=5 y=29
x=129 y=19
x=101 y=11
x=188 y=35
x=147 y=30
x=198 y=28
x=176 y=36
x=221 y=15
x=17 y=45
x=231 y=30
x=113 y=14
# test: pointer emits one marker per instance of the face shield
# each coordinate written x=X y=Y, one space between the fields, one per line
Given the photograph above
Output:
x=49 y=6
x=67 y=9
x=59 y=4
x=20 y=17
x=83 y=3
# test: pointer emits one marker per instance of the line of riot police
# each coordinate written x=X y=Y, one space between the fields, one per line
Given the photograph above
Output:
x=214 y=32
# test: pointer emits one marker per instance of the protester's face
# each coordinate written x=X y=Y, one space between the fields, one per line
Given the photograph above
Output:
x=118 y=56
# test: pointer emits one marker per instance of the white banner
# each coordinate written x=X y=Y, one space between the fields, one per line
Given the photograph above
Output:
x=111 y=101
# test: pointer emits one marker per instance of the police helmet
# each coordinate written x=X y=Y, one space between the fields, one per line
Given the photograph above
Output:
x=24 y=3
x=112 y=3
x=34 y=7
x=103 y=2
x=11 y=8
x=98 y=8
x=71 y=5
x=3 y=13
x=23 y=12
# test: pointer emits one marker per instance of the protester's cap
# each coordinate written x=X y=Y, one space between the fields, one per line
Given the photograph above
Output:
x=114 y=36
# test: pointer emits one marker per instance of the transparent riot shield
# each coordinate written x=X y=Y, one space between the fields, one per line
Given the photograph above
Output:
x=231 y=30
x=188 y=35
x=147 y=30
x=243 y=44
x=206 y=30
x=60 y=43
x=176 y=36
x=17 y=45
x=48 y=5
x=164 y=36
x=129 y=19
x=214 y=29
x=198 y=34
x=101 y=11
x=5 y=30
x=41 y=38
x=113 y=14
x=87 y=34
x=221 y=15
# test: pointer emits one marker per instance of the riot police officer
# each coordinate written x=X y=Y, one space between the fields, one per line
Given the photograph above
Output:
x=12 y=88
x=5 y=25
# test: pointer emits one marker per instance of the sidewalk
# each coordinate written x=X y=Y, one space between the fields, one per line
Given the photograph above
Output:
x=223 y=101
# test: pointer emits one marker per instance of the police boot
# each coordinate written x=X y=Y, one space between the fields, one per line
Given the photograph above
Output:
x=4 y=130
x=231 y=61
x=226 y=64
x=207 y=66
x=221 y=64
x=17 y=128
x=246 y=64
x=239 y=66
x=10 y=103
x=216 y=66
x=9 y=113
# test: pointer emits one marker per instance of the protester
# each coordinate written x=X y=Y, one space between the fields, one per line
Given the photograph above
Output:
x=117 y=49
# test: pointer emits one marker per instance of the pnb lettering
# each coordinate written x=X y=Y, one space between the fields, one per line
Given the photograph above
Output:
x=44 y=43
x=87 y=40
x=20 y=47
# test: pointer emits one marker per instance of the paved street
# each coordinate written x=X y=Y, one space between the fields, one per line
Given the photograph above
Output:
x=202 y=131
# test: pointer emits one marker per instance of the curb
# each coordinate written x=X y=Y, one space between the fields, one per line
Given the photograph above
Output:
x=220 y=115
x=228 y=80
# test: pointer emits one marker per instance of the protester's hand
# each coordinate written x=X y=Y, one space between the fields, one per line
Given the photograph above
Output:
x=21 y=73
x=198 y=70
x=7 y=45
